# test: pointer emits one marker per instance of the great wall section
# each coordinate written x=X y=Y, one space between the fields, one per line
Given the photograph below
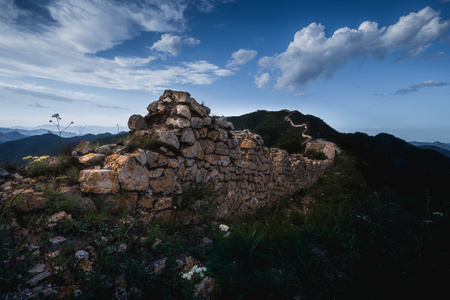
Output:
x=192 y=146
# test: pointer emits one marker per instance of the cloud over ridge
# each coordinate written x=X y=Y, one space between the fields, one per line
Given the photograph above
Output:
x=312 y=55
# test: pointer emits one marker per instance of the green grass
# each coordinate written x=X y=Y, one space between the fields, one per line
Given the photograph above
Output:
x=351 y=245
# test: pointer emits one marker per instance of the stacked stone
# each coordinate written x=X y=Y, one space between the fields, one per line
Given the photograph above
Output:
x=193 y=146
x=252 y=176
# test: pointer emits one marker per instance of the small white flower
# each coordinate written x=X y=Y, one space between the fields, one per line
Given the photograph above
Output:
x=223 y=227
x=188 y=277
x=202 y=275
x=204 y=269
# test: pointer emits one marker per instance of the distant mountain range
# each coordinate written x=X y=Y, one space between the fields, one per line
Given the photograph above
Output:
x=11 y=136
x=45 y=144
x=18 y=132
x=436 y=146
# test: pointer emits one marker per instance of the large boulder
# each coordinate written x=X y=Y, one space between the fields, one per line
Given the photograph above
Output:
x=131 y=174
x=137 y=122
x=99 y=181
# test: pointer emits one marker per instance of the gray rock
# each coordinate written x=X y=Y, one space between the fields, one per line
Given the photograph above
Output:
x=39 y=277
x=168 y=138
x=3 y=173
x=207 y=242
x=188 y=136
x=137 y=122
x=39 y=268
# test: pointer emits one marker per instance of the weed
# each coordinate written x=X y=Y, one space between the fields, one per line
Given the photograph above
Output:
x=134 y=142
x=316 y=155
x=94 y=145
x=198 y=197
x=60 y=130
x=11 y=166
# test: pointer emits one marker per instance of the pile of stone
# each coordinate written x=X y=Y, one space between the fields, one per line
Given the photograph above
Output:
x=195 y=147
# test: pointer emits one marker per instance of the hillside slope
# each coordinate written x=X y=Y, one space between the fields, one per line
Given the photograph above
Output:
x=46 y=144
x=383 y=160
x=11 y=136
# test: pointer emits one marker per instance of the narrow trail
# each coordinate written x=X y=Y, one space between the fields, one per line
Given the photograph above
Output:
x=309 y=138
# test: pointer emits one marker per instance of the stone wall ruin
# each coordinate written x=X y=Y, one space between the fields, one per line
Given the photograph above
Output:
x=191 y=146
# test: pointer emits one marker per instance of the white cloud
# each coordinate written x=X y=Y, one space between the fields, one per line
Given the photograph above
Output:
x=190 y=41
x=262 y=80
x=312 y=55
x=133 y=61
x=171 y=44
x=241 y=57
x=64 y=48
x=37 y=105
x=48 y=93
x=168 y=44
x=436 y=56
x=416 y=87
x=208 y=5
x=92 y=26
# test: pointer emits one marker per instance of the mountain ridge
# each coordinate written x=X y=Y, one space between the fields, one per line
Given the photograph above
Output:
x=383 y=160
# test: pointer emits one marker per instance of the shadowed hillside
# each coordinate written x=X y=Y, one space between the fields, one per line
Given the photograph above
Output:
x=384 y=160
x=46 y=144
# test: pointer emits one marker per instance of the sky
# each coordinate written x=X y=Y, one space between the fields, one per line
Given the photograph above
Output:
x=366 y=66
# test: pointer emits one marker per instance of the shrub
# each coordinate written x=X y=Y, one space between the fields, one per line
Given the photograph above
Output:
x=135 y=141
x=316 y=155
x=198 y=197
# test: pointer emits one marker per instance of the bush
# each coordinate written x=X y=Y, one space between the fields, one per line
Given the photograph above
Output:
x=316 y=155
x=134 y=142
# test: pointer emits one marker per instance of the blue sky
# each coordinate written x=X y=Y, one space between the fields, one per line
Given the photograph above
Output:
x=370 y=66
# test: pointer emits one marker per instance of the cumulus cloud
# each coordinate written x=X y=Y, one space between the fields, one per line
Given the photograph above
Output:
x=312 y=54
x=241 y=57
x=65 y=45
x=171 y=44
x=168 y=44
x=190 y=41
x=262 y=80
x=416 y=87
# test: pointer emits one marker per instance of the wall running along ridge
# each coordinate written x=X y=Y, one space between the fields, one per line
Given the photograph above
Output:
x=192 y=146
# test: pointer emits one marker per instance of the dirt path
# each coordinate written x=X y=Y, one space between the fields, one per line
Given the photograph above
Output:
x=309 y=138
